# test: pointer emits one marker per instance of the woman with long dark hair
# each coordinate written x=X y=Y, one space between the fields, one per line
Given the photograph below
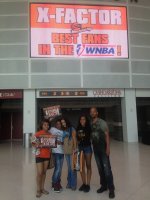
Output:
x=70 y=145
x=84 y=144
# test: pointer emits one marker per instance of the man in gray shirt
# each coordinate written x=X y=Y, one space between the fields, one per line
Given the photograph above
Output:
x=100 y=141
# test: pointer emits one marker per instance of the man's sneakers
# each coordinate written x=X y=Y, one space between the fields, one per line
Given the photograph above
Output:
x=111 y=192
x=101 y=189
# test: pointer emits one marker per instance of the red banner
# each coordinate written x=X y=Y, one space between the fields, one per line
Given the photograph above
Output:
x=59 y=30
x=11 y=94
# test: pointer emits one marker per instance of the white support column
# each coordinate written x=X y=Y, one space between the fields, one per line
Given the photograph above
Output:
x=29 y=115
x=129 y=116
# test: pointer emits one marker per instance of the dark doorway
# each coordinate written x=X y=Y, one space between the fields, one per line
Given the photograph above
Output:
x=143 y=118
x=17 y=125
x=5 y=126
x=11 y=124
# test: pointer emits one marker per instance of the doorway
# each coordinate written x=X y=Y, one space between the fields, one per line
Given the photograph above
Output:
x=11 y=124
x=143 y=118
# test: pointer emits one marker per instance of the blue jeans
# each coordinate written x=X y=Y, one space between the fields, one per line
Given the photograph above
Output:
x=72 y=174
x=58 y=161
x=104 y=169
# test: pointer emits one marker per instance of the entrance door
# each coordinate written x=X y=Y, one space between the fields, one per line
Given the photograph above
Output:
x=11 y=125
x=5 y=126
x=17 y=125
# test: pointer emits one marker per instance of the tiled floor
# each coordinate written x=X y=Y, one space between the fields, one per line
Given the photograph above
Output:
x=130 y=164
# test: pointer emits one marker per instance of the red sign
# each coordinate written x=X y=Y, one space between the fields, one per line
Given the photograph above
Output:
x=11 y=94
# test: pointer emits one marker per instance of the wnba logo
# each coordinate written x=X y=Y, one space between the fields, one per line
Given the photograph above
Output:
x=96 y=50
x=80 y=49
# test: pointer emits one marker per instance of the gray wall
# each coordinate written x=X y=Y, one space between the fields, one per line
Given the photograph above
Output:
x=17 y=70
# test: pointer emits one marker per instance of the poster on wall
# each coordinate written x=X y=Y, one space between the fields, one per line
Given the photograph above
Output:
x=52 y=112
x=78 y=31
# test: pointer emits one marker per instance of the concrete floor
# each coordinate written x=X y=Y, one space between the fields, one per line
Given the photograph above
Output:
x=130 y=165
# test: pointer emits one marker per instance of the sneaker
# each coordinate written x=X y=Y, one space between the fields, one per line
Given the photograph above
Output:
x=56 y=188
x=87 y=188
x=60 y=186
x=111 y=194
x=101 y=189
x=82 y=187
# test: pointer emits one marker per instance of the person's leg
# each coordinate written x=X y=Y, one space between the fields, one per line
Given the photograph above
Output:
x=39 y=167
x=61 y=160
x=83 y=176
x=44 y=176
x=88 y=158
x=108 y=171
x=100 y=167
x=69 y=165
x=108 y=175
x=56 y=174
x=73 y=175
x=56 y=168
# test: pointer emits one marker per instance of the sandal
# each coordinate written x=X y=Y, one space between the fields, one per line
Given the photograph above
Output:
x=44 y=192
x=38 y=194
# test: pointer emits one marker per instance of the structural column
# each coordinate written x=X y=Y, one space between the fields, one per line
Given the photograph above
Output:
x=29 y=115
x=129 y=116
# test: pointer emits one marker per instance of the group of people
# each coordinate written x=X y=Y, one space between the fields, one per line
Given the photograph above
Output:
x=88 y=137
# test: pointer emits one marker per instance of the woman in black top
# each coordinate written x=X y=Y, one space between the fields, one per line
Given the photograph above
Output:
x=84 y=144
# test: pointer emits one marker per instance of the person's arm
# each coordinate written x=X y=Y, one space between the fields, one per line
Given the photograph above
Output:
x=74 y=139
x=107 y=142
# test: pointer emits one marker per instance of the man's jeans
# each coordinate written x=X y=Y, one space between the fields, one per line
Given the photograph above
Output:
x=104 y=169
x=58 y=161
x=72 y=175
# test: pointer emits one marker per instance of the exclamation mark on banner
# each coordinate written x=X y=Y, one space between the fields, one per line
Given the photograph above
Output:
x=119 y=50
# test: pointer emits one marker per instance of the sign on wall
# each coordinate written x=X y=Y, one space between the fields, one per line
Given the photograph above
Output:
x=11 y=94
x=103 y=92
x=78 y=31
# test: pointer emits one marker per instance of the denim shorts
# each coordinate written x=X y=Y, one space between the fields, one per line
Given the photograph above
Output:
x=86 y=150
